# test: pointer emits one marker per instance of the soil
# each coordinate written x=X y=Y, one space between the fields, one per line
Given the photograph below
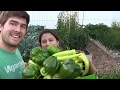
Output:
x=101 y=58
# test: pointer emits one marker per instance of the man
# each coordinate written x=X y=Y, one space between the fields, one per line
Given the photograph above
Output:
x=13 y=27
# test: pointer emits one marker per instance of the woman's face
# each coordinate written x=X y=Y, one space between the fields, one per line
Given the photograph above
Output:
x=48 y=39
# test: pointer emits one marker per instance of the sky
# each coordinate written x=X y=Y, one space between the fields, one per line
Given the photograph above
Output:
x=49 y=18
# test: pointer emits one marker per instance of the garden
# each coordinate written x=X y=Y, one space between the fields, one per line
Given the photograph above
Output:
x=75 y=36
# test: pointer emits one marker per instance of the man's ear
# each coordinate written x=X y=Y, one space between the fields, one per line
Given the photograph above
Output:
x=0 y=27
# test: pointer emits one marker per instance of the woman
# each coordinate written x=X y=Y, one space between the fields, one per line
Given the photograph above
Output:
x=48 y=37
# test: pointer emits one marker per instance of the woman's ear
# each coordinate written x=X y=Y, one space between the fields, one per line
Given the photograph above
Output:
x=57 y=43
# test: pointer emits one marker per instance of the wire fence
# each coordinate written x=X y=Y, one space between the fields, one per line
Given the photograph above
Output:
x=52 y=24
x=48 y=24
x=49 y=19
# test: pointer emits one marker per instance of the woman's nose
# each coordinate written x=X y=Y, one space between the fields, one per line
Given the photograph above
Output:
x=48 y=43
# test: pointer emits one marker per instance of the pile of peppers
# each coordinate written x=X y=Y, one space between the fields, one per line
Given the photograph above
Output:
x=53 y=63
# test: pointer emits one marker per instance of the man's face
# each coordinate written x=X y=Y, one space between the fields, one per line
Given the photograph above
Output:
x=13 y=31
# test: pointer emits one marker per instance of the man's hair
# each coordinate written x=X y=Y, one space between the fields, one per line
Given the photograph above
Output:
x=5 y=15
x=0 y=12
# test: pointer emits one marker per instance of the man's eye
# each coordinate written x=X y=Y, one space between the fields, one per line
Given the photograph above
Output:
x=24 y=27
x=13 y=23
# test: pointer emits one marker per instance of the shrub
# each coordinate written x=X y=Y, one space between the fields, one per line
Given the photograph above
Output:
x=71 y=34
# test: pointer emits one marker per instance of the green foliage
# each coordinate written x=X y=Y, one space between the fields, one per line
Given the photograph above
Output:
x=97 y=31
x=112 y=40
x=114 y=74
x=108 y=36
x=77 y=39
x=115 y=25
x=70 y=33
x=29 y=41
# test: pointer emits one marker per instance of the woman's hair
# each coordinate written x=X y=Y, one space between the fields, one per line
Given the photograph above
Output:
x=47 y=31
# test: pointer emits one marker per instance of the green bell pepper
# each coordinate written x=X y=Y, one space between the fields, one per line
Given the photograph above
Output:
x=51 y=65
x=69 y=70
x=38 y=55
x=32 y=71
x=52 y=49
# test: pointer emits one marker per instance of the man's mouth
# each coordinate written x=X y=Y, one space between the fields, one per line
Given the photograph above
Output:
x=15 y=37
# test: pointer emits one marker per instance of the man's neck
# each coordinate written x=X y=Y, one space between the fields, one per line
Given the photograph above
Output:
x=7 y=47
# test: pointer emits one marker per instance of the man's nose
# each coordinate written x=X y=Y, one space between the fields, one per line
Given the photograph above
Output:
x=18 y=29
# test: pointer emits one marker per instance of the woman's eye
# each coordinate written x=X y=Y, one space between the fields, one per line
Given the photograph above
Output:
x=43 y=41
x=50 y=40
